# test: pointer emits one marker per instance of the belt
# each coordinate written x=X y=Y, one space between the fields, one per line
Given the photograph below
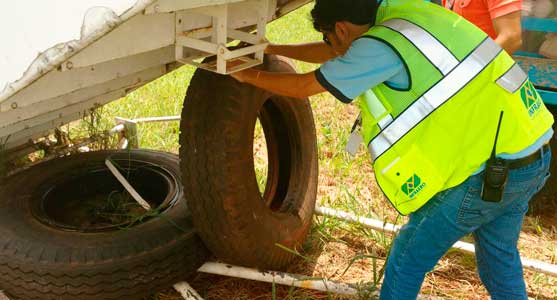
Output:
x=523 y=162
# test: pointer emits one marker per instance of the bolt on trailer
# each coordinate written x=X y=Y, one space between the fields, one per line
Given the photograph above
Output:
x=61 y=220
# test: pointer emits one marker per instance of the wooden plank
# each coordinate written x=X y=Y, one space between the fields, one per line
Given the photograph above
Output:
x=542 y=72
x=539 y=24
x=548 y=97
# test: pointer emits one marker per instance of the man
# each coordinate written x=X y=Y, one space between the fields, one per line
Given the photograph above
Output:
x=500 y=19
x=436 y=94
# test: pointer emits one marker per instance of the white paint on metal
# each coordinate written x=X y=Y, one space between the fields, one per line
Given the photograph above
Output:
x=116 y=129
x=135 y=195
x=534 y=265
x=157 y=119
x=282 y=278
x=187 y=292
x=130 y=133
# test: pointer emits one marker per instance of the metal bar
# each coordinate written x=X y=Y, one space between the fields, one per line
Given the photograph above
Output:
x=157 y=119
x=130 y=132
x=196 y=44
x=243 y=51
x=534 y=265
x=3 y=296
x=127 y=185
x=262 y=27
x=243 y=36
x=318 y=284
x=187 y=292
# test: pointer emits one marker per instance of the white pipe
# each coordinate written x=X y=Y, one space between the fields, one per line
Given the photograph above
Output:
x=318 y=284
x=530 y=264
x=116 y=129
x=127 y=185
x=157 y=119
x=187 y=292
x=3 y=296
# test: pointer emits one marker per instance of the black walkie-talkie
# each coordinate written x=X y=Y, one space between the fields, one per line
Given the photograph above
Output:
x=496 y=173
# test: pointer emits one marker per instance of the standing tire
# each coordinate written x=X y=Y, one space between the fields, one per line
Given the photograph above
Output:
x=236 y=222
x=63 y=238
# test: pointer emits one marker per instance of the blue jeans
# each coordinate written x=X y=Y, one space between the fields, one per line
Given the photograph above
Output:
x=459 y=211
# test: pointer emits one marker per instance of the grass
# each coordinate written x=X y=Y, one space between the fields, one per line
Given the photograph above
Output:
x=334 y=250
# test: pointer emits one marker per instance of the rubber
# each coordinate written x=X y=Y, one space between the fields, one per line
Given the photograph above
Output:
x=235 y=221
x=40 y=262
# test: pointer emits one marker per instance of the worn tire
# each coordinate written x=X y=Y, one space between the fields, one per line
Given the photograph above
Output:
x=41 y=261
x=235 y=221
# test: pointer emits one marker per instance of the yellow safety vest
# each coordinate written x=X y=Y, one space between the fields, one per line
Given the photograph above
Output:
x=435 y=134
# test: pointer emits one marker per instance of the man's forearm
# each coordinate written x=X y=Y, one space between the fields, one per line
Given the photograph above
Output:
x=317 y=52
x=510 y=43
x=509 y=31
x=286 y=84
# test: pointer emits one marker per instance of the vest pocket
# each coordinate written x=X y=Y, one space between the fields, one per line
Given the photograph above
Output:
x=409 y=181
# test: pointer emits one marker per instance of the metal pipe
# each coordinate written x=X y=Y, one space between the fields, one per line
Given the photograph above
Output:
x=125 y=183
x=118 y=128
x=157 y=119
x=187 y=292
x=318 y=284
x=534 y=265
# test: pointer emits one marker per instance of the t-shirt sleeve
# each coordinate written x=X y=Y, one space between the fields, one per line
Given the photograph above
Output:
x=367 y=63
x=498 y=8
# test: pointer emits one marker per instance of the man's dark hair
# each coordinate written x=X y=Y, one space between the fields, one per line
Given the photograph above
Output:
x=326 y=13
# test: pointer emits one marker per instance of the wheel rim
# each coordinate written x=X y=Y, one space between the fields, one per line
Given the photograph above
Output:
x=90 y=199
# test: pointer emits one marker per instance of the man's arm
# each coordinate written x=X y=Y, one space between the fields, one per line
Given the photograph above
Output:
x=509 y=31
x=298 y=86
x=317 y=52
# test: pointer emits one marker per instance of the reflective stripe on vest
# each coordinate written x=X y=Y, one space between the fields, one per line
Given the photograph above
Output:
x=513 y=79
x=440 y=93
x=426 y=43
x=380 y=113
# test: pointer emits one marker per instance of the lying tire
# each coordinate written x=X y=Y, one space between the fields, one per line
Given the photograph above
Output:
x=62 y=237
x=236 y=222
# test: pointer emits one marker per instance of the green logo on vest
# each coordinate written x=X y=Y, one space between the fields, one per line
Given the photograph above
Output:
x=530 y=98
x=413 y=186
